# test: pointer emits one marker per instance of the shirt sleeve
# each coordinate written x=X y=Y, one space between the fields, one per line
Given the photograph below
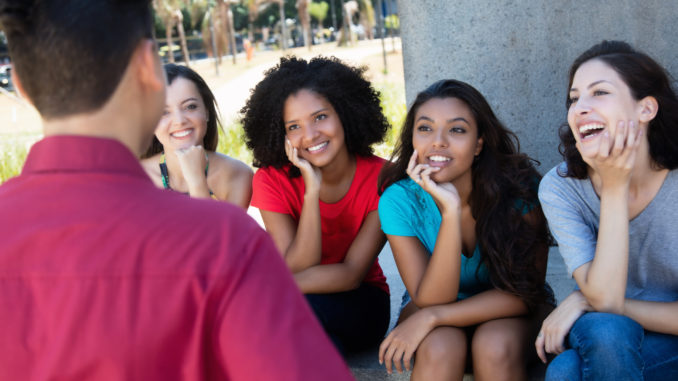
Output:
x=394 y=213
x=264 y=328
x=563 y=210
x=267 y=192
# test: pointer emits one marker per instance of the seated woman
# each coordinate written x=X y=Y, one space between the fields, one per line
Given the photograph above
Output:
x=460 y=212
x=612 y=206
x=182 y=156
x=310 y=126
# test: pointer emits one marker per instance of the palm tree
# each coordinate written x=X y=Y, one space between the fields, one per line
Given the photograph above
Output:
x=346 y=36
x=226 y=18
x=283 y=24
x=170 y=13
x=252 y=13
x=255 y=6
x=366 y=17
x=305 y=19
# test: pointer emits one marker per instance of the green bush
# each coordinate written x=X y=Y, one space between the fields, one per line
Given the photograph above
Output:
x=394 y=107
x=12 y=158
x=232 y=142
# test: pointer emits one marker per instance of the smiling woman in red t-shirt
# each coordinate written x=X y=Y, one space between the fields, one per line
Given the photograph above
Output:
x=310 y=126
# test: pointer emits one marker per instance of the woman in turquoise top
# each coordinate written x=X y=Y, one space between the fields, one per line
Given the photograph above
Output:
x=461 y=214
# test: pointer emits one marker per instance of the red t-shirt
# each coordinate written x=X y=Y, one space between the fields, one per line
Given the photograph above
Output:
x=340 y=222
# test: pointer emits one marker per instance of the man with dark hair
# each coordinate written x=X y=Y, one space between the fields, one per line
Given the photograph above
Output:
x=102 y=275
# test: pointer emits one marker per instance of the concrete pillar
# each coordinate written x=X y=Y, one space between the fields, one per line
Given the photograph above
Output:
x=517 y=52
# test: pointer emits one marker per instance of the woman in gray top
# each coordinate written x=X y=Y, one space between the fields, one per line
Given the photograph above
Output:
x=612 y=206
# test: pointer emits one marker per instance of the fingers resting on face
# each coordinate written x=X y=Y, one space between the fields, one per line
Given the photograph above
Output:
x=420 y=173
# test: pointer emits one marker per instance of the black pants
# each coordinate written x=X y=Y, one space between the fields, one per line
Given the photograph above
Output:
x=355 y=319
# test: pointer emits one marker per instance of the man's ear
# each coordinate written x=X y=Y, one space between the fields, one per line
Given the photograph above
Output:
x=19 y=86
x=648 y=109
x=147 y=66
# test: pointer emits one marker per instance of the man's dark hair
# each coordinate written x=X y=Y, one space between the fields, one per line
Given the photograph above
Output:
x=71 y=54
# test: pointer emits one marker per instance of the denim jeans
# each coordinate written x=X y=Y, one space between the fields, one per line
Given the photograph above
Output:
x=606 y=346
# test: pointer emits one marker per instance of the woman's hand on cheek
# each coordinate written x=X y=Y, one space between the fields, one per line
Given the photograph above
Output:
x=616 y=154
x=445 y=194
x=311 y=175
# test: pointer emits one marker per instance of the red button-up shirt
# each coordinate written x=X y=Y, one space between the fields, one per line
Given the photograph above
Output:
x=105 y=277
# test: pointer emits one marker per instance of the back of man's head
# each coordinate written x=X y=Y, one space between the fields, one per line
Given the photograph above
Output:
x=70 y=55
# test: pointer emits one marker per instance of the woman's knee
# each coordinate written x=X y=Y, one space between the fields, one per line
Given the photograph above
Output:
x=500 y=342
x=565 y=367
x=443 y=345
x=600 y=331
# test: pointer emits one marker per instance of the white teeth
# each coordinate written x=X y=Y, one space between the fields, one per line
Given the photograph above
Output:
x=181 y=134
x=591 y=127
x=438 y=158
x=318 y=147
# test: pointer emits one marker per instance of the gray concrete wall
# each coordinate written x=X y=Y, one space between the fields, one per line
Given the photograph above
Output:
x=517 y=52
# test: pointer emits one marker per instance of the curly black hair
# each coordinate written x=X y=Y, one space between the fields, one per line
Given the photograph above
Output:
x=645 y=77
x=357 y=104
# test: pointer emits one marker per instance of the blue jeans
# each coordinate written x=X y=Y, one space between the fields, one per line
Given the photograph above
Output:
x=613 y=347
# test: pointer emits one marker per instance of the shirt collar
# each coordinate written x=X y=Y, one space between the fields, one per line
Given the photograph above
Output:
x=70 y=153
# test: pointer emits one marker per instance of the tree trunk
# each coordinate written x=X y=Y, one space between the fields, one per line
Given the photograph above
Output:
x=226 y=17
x=283 y=25
x=168 y=33
x=305 y=19
x=231 y=31
x=182 y=36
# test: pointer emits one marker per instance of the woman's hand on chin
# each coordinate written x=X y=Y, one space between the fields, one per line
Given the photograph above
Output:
x=445 y=194
x=616 y=154
x=193 y=161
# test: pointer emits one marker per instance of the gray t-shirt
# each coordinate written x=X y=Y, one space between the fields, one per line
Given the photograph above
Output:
x=572 y=209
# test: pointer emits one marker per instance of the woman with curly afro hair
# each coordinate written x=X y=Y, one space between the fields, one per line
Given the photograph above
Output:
x=310 y=126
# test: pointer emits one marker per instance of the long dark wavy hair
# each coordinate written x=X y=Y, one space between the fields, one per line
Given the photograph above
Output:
x=503 y=179
x=352 y=96
x=644 y=77
x=211 y=139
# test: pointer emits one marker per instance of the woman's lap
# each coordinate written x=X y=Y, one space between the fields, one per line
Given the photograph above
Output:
x=608 y=346
x=353 y=319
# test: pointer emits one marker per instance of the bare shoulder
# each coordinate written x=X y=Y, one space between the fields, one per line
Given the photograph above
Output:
x=230 y=179
x=228 y=167
x=152 y=169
